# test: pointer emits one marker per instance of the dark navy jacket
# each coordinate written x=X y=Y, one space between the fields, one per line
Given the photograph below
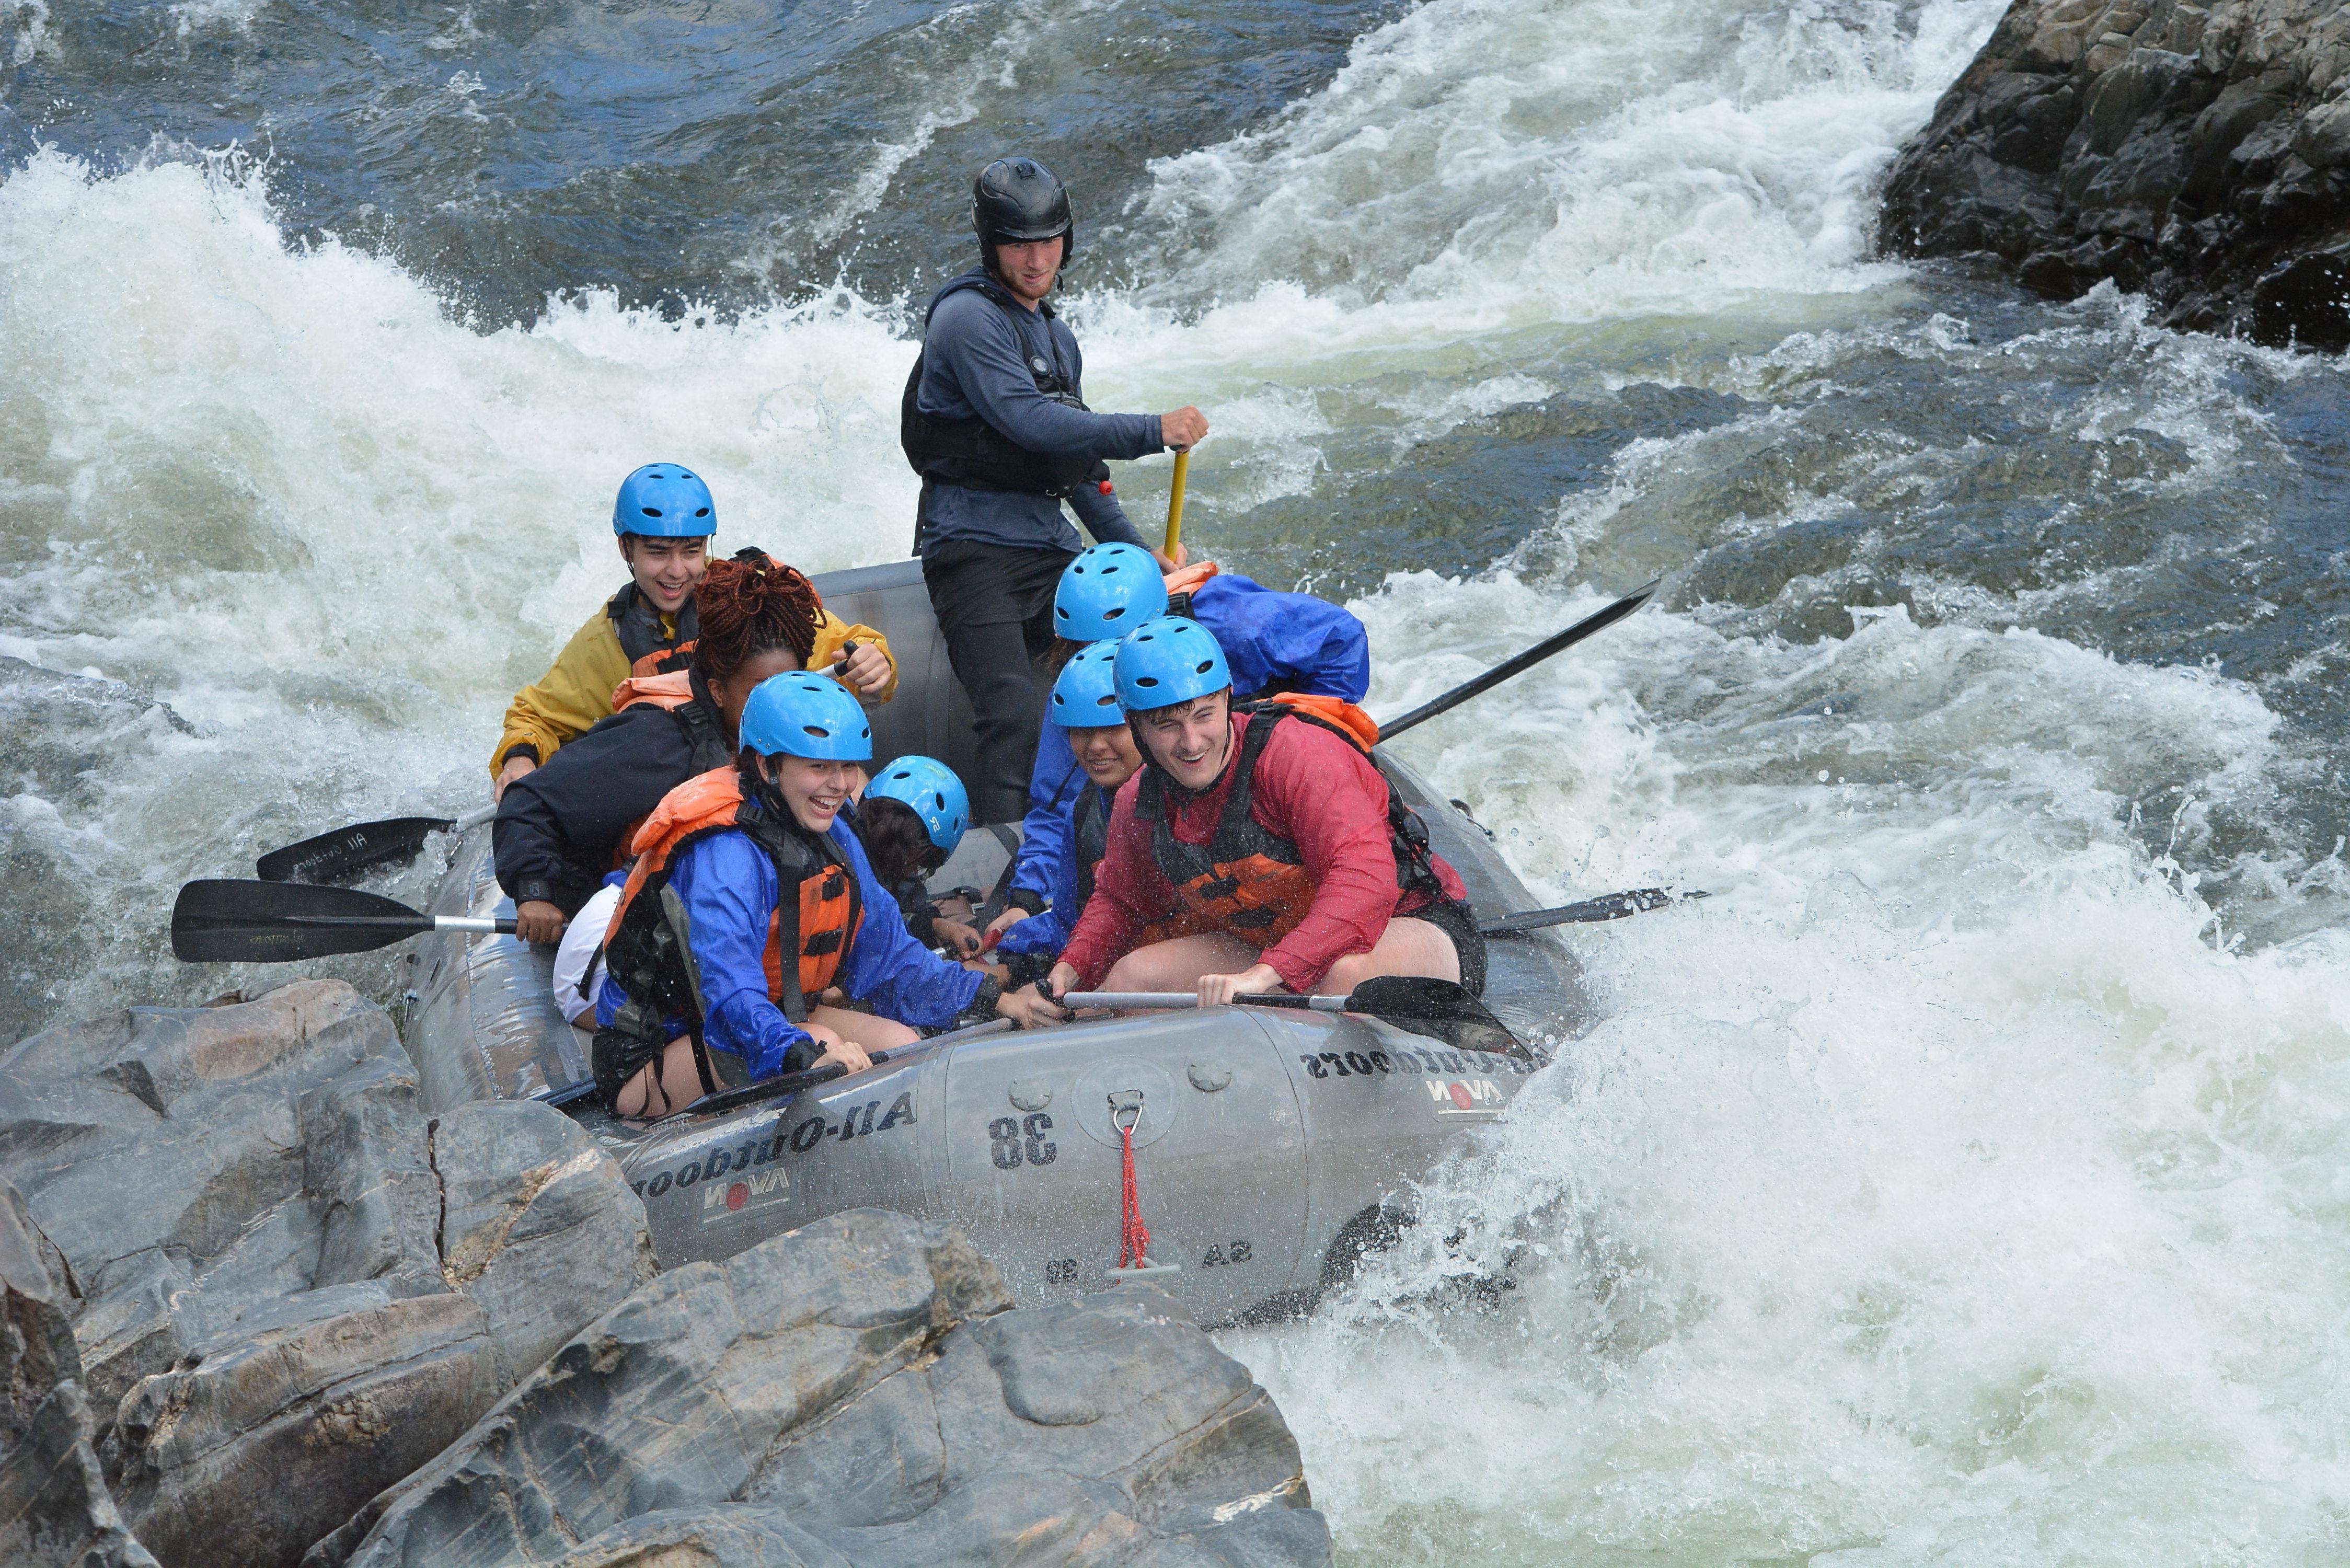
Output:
x=558 y=828
x=975 y=358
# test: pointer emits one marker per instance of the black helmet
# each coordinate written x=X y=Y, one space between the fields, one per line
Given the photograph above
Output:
x=1017 y=199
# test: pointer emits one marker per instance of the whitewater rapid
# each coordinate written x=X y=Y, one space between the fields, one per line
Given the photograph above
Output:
x=1962 y=1183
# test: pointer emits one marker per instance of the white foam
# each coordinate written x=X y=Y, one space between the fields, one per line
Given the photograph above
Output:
x=1939 y=1192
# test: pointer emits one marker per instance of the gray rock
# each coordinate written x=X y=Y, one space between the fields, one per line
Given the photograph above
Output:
x=368 y=1172
x=256 y=1448
x=856 y=1391
x=248 y=1213
x=539 y=1225
x=2201 y=153
x=54 y=1508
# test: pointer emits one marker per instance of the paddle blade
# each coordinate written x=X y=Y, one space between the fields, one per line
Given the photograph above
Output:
x=342 y=854
x=223 y=921
x=1590 y=911
x=1440 y=1008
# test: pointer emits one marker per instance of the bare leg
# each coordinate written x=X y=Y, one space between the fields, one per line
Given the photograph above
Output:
x=679 y=1085
x=1177 y=965
x=865 y=1029
x=1406 y=946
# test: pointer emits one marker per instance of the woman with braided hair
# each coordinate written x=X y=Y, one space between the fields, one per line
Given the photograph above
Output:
x=562 y=827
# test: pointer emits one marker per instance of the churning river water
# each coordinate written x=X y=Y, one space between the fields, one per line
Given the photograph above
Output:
x=1966 y=1182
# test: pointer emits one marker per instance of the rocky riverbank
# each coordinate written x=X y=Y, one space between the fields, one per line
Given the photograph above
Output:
x=2197 y=154
x=259 y=1310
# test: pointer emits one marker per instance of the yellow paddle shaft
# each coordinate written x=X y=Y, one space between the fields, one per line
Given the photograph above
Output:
x=1175 y=503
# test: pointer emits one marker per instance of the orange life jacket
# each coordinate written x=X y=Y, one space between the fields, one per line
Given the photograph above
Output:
x=670 y=689
x=817 y=916
x=660 y=662
x=1248 y=880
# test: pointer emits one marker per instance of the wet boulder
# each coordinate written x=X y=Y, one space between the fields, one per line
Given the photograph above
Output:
x=2198 y=153
x=538 y=1225
x=55 y=1509
x=860 y=1391
x=288 y=1287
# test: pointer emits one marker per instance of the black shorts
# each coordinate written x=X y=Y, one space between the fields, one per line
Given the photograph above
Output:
x=1454 y=919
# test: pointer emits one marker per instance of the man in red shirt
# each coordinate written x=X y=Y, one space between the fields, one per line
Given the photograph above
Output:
x=1257 y=850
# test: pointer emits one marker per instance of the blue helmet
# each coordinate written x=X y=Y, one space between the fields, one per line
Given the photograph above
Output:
x=1169 y=660
x=666 y=501
x=1085 y=696
x=1108 y=591
x=937 y=796
x=796 y=714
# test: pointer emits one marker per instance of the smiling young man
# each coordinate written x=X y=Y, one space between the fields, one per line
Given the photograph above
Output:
x=1257 y=849
x=662 y=519
x=995 y=421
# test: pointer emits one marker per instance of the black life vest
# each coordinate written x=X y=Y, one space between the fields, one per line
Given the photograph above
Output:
x=639 y=624
x=974 y=453
x=1248 y=880
x=1088 y=839
x=817 y=916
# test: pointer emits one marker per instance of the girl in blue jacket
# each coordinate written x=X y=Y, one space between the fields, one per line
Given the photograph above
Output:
x=778 y=903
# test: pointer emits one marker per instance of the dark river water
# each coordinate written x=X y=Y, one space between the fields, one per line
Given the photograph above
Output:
x=1963 y=1183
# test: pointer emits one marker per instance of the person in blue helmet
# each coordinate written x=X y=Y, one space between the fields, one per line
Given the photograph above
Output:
x=909 y=820
x=995 y=421
x=1259 y=848
x=1273 y=642
x=662 y=519
x=1083 y=708
x=750 y=898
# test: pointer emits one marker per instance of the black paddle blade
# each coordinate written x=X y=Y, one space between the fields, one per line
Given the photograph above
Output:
x=272 y=922
x=1613 y=907
x=1439 y=1009
x=344 y=852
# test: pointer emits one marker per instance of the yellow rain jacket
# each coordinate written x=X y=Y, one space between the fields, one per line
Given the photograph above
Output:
x=576 y=689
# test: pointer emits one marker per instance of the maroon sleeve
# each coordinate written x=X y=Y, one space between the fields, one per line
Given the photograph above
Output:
x=1130 y=893
x=1319 y=793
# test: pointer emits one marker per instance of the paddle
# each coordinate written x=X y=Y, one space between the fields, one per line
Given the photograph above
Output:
x=793 y=1083
x=1613 y=907
x=1175 y=504
x=1437 y=1008
x=1599 y=620
x=344 y=852
x=223 y=921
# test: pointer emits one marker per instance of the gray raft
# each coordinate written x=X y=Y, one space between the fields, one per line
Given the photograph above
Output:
x=1274 y=1146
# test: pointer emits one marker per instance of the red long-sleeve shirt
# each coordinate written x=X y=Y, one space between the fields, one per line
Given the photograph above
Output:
x=1311 y=788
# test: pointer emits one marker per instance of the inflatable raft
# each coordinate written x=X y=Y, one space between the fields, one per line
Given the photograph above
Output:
x=1273 y=1147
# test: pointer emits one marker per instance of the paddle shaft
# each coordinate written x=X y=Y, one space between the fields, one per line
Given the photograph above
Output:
x=1175 y=503
x=1599 y=620
x=1192 y=999
x=483 y=923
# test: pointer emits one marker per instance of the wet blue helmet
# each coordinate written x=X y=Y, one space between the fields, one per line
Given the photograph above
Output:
x=1169 y=660
x=1108 y=591
x=796 y=714
x=1085 y=696
x=931 y=789
x=666 y=501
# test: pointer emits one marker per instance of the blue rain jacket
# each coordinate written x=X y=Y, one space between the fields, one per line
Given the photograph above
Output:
x=728 y=885
x=1301 y=643
x=1049 y=933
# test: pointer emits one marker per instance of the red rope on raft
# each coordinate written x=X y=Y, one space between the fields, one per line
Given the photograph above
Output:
x=1133 y=1235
